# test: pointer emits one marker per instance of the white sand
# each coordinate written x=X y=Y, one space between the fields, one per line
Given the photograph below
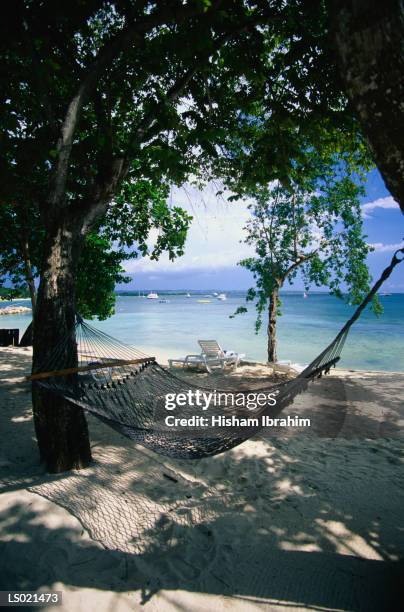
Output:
x=298 y=523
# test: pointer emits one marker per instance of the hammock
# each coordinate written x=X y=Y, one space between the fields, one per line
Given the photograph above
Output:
x=128 y=390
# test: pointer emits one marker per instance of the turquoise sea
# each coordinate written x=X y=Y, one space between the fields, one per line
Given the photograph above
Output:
x=304 y=329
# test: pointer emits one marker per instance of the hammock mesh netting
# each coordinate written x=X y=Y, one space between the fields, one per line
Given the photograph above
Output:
x=127 y=389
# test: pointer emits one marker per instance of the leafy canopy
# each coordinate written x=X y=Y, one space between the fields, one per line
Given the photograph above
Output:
x=240 y=89
x=207 y=80
x=123 y=235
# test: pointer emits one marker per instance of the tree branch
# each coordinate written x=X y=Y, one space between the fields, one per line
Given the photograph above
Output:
x=106 y=55
x=139 y=133
x=41 y=79
x=301 y=259
x=96 y=205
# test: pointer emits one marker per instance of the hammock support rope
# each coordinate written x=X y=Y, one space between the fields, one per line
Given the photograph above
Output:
x=88 y=368
x=127 y=389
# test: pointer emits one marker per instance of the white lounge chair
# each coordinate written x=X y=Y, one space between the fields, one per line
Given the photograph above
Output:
x=212 y=355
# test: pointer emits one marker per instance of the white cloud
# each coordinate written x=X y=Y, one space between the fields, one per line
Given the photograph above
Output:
x=388 y=202
x=379 y=247
x=214 y=237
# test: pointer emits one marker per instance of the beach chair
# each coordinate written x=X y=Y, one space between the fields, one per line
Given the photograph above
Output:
x=188 y=360
x=212 y=355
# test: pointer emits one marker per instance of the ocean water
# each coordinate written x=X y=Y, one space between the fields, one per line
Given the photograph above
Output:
x=304 y=329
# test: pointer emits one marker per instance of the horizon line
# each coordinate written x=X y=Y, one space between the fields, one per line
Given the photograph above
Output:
x=317 y=291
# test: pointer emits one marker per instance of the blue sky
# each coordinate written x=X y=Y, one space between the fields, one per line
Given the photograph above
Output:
x=213 y=245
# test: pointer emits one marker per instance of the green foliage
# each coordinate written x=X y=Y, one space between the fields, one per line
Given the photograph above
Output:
x=297 y=125
x=238 y=89
x=11 y=293
x=317 y=233
x=264 y=82
x=20 y=235
x=140 y=210
x=100 y=269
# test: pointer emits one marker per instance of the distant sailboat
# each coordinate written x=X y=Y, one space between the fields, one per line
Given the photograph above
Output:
x=188 y=295
x=222 y=297
x=152 y=296
x=305 y=294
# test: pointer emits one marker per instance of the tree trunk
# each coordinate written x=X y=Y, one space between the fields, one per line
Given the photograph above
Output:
x=369 y=40
x=273 y=309
x=61 y=428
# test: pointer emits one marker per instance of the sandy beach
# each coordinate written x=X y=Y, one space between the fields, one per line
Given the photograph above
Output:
x=297 y=522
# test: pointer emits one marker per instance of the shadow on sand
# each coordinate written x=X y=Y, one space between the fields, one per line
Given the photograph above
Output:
x=305 y=523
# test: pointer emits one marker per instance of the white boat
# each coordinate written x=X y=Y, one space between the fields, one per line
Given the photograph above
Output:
x=152 y=296
x=215 y=293
x=222 y=297
x=188 y=295
x=305 y=294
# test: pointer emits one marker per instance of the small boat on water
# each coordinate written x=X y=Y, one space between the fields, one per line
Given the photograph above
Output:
x=305 y=294
x=152 y=296
x=188 y=295
x=215 y=293
x=222 y=297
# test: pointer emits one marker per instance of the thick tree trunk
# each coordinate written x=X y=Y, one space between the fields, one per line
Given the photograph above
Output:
x=61 y=428
x=369 y=39
x=273 y=309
